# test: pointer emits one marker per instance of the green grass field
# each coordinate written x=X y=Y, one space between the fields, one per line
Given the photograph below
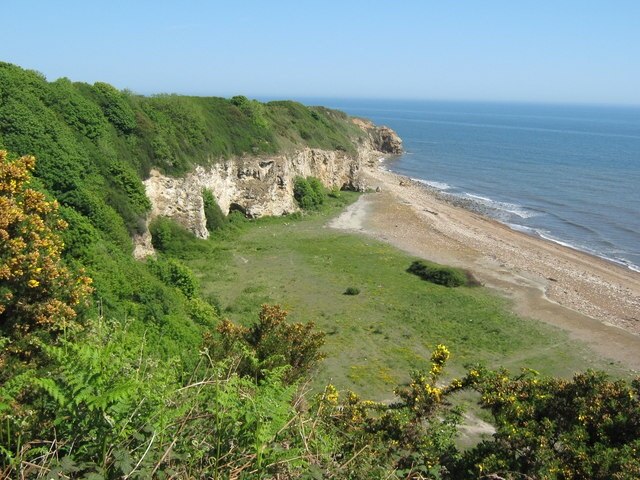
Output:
x=376 y=337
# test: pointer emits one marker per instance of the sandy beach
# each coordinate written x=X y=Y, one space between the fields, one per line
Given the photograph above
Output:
x=595 y=301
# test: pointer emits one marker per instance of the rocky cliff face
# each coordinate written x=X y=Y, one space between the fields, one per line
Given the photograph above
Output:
x=380 y=139
x=259 y=186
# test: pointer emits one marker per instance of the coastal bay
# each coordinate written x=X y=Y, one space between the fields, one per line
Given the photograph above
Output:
x=594 y=300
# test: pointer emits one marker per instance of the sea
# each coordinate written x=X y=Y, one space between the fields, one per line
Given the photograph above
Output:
x=569 y=174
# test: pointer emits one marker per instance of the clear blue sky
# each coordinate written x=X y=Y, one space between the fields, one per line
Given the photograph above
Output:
x=538 y=51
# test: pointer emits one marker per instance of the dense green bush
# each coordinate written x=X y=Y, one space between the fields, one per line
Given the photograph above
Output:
x=352 y=291
x=116 y=107
x=168 y=236
x=438 y=274
x=309 y=193
x=216 y=219
x=172 y=272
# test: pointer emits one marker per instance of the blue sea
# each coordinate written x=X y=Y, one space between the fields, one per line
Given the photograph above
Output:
x=569 y=174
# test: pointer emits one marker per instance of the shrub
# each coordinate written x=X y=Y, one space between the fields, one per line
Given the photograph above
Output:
x=309 y=193
x=587 y=427
x=268 y=344
x=202 y=312
x=174 y=273
x=216 y=218
x=169 y=237
x=37 y=291
x=438 y=274
x=318 y=189
x=352 y=291
x=116 y=108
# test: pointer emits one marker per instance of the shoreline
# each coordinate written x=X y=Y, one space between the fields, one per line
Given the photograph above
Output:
x=595 y=300
x=473 y=207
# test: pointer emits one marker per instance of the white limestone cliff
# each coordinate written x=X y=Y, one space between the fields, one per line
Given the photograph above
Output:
x=258 y=186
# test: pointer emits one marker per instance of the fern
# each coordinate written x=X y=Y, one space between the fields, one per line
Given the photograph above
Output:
x=50 y=386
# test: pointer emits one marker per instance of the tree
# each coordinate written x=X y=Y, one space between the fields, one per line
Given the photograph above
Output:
x=37 y=291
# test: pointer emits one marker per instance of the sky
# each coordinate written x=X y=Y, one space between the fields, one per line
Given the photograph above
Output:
x=560 y=51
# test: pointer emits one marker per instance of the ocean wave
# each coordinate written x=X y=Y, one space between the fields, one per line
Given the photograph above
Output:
x=614 y=259
x=511 y=208
x=521 y=228
x=434 y=184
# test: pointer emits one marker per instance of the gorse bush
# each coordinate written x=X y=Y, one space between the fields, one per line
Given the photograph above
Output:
x=438 y=274
x=37 y=291
x=412 y=437
x=587 y=427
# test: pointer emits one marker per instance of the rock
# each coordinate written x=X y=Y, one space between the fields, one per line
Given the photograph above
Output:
x=257 y=186
x=381 y=139
x=378 y=189
x=142 y=245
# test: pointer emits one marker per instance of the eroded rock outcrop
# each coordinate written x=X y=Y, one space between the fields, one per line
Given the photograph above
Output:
x=381 y=139
x=259 y=185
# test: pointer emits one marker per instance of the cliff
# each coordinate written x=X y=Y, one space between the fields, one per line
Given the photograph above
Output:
x=260 y=185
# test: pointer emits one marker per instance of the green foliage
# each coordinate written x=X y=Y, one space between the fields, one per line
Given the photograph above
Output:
x=309 y=193
x=252 y=109
x=271 y=343
x=438 y=274
x=105 y=408
x=77 y=111
x=167 y=236
x=80 y=234
x=174 y=273
x=352 y=291
x=116 y=107
x=317 y=127
x=202 y=312
x=216 y=219
x=584 y=428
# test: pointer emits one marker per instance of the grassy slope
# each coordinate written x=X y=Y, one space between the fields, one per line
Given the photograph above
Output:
x=373 y=339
